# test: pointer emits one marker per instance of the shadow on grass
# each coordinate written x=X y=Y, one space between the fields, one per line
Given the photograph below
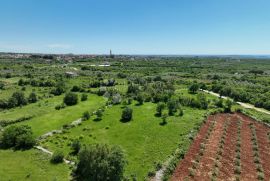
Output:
x=124 y=120
x=97 y=119
x=163 y=123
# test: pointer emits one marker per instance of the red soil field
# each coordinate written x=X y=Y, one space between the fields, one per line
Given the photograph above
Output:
x=217 y=148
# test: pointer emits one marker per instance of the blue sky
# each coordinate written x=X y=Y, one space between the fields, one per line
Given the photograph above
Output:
x=136 y=26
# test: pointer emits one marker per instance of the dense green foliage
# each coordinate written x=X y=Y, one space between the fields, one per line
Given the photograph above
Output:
x=57 y=157
x=100 y=163
x=18 y=137
x=161 y=95
x=71 y=99
x=127 y=114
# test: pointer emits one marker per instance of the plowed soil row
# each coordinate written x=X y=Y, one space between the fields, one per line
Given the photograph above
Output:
x=227 y=163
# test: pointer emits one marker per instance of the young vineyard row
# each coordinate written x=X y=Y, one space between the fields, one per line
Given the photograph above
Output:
x=227 y=147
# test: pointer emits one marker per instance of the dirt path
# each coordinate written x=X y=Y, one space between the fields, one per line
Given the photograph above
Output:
x=245 y=105
x=44 y=150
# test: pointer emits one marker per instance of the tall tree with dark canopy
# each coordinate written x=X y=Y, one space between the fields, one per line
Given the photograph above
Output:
x=100 y=163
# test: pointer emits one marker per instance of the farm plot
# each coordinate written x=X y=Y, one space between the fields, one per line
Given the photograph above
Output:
x=227 y=147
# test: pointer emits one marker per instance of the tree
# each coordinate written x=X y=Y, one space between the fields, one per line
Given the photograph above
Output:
x=100 y=163
x=202 y=101
x=193 y=88
x=71 y=99
x=172 y=105
x=160 y=108
x=228 y=106
x=164 y=119
x=19 y=137
x=181 y=112
x=32 y=98
x=75 y=147
x=20 y=99
x=99 y=114
x=86 y=115
x=140 y=99
x=75 y=88
x=84 y=97
x=60 y=88
x=21 y=82
x=57 y=157
x=2 y=85
x=219 y=103
x=127 y=114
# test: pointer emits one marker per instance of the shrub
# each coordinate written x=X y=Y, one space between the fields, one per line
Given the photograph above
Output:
x=18 y=99
x=100 y=163
x=140 y=99
x=32 y=98
x=193 y=88
x=71 y=99
x=75 y=88
x=127 y=114
x=19 y=137
x=86 y=115
x=172 y=106
x=160 y=108
x=99 y=114
x=57 y=157
x=84 y=97
x=75 y=147
x=61 y=106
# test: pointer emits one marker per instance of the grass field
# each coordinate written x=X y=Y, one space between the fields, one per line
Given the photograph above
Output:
x=46 y=118
x=144 y=140
x=30 y=165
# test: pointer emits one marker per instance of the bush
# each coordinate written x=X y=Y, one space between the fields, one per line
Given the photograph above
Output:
x=160 y=108
x=86 y=115
x=193 y=88
x=75 y=147
x=99 y=114
x=57 y=157
x=127 y=114
x=84 y=97
x=61 y=106
x=140 y=99
x=172 y=106
x=19 y=137
x=100 y=163
x=32 y=98
x=71 y=99
x=18 y=99
x=75 y=88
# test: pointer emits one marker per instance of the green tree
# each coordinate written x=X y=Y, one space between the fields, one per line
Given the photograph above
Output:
x=32 y=97
x=228 y=106
x=75 y=147
x=172 y=105
x=57 y=157
x=86 y=115
x=20 y=98
x=193 y=88
x=99 y=114
x=100 y=163
x=160 y=107
x=84 y=97
x=140 y=99
x=19 y=137
x=71 y=99
x=127 y=114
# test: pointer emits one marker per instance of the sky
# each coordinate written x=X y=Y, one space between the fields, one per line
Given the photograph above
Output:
x=161 y=27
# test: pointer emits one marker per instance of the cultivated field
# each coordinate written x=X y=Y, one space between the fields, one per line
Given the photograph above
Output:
x=227 y=147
